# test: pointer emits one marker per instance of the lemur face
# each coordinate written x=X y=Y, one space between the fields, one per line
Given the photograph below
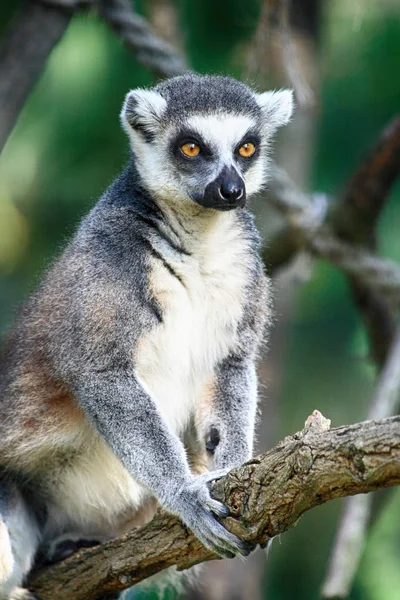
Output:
x=203 y=140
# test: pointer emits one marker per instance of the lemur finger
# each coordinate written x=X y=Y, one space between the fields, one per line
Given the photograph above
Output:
x=218 y=508
x=218 y=549
x=228 y=539
x=214 y=475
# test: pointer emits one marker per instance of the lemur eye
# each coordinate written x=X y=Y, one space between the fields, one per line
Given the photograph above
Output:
x=247 y=150
x=190 y=149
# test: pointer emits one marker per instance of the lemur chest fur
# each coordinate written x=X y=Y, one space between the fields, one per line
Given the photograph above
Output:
x=201 y=295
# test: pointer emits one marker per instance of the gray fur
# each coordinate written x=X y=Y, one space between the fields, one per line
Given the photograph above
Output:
x=83 y=363
x=205 y=94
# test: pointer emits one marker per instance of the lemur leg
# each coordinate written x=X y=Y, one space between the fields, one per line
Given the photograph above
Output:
x=67 y=543
x=199 y=459
x=63 y=546
x=230 y=422
x=19 y=540
x=155 y=457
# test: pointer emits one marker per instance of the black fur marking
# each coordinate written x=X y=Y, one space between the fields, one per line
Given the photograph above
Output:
x=155 y=309
x=185 y=229
x=135 y=121
x=189 y=136
x=185 y=164
x=213 y=440
x=155 y=225
x=161 y=258
x=245 y=163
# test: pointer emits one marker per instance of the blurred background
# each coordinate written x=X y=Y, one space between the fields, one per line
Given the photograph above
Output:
x=344 y=62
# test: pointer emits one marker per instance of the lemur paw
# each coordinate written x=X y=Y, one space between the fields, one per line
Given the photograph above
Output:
x=67 y=544
x=198 y=510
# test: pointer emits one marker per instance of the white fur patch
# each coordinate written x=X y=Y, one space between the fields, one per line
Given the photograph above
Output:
x=174 y=363
x=176 y=359
x=277 y=108
x=18 y=544
x=222 y=132
x=97 y=494
x=148 y=109
x=6 y=557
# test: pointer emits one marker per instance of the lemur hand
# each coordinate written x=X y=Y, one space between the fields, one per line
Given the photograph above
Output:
x=198 y=510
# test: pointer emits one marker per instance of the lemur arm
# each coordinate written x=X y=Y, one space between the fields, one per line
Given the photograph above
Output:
x=232 y=420
x=128 y=420
x=233 y=412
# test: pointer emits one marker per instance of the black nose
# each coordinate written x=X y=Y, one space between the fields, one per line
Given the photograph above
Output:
x=226 y=192
x=231 y=190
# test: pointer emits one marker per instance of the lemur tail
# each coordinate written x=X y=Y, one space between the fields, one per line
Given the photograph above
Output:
x=6 y=553
x=19 y=540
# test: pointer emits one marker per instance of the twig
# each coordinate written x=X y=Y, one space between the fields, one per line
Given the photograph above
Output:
x=386 y=399
x=356 y=513
x=266 y=496
x=356 y=215
x=355 y=220
x=291 y=63
x=33 y=34
x=281 y=48
x=305 y=214
x=135 y=31
x=375 y=272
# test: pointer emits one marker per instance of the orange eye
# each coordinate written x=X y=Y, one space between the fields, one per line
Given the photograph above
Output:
x=247 y=150
x=190 y=149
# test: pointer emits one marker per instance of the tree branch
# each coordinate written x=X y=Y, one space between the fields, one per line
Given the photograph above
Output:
x=34 y=32
x=306 y=216
x=361 y=205
x=266 y=496
x=353 y=220
x=38 y=27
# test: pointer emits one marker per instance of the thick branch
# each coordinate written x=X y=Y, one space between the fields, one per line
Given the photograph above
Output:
x=305 y=214
x=353 y=220
x=38 y=27
x=266 y=496
x=23 y=53
x=367 y=191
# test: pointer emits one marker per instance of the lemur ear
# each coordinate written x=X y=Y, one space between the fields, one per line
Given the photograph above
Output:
x=142 y=112
x=277 y=108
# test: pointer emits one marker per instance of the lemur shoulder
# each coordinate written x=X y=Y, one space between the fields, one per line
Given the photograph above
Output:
x=129 y=379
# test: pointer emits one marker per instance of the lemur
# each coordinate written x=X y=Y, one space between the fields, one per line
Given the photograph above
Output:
x=129 y=378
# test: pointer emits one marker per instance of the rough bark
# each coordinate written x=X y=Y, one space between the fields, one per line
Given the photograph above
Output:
x=266 y=496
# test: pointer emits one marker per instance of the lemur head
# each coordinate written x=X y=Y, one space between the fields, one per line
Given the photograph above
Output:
x=203 y=139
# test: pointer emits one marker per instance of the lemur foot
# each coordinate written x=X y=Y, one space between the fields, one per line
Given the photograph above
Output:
x=65 y=545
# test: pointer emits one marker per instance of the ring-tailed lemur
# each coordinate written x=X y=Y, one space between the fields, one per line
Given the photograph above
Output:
x=131 y=370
